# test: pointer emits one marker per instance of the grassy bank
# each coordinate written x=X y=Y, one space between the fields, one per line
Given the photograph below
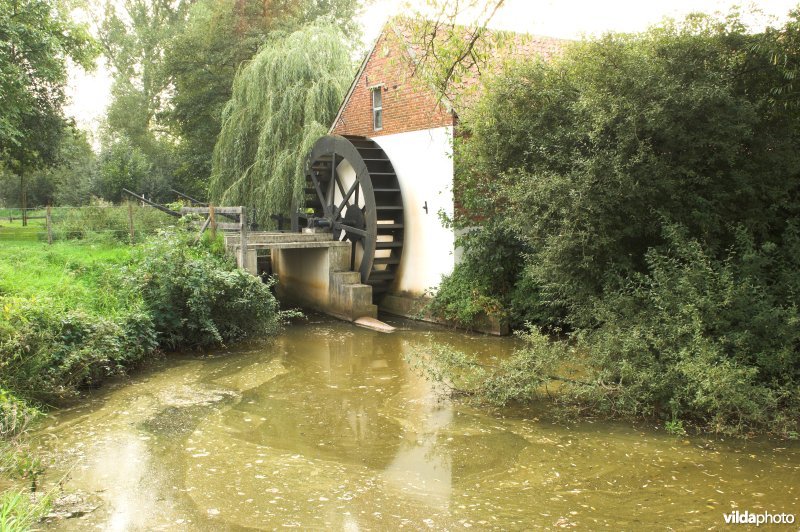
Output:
x=78 y=311
x=74 y=274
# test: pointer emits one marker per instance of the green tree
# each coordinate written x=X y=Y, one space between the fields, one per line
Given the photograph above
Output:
x=283 y=101
x=37 y=38
x=68 y=181
x=123 y=165
x=203 y=59
x=134 y=35
x=654 y=183
x=74 y=178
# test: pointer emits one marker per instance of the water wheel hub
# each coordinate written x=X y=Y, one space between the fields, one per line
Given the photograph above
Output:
x=354 y=217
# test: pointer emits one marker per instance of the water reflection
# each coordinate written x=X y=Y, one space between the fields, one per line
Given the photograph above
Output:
x=330 y=406
x=328 y=427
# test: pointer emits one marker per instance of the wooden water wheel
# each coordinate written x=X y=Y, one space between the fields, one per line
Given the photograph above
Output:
x=352 y=188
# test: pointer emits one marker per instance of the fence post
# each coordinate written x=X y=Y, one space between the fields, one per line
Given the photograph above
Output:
x=49 y=227
x=130 y=221
x=213 y=222
x=243 y=239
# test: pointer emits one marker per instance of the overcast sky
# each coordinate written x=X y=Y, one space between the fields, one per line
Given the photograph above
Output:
x=555 y=18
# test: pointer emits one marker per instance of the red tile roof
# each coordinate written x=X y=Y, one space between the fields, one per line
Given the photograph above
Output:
x=492 y=50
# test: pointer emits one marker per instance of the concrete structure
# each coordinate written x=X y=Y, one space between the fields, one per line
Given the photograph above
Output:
x=313 y=272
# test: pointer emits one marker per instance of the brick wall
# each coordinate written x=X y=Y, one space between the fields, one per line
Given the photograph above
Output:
x=408 y=104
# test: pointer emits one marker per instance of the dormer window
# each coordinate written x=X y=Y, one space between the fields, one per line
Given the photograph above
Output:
x=377 y=108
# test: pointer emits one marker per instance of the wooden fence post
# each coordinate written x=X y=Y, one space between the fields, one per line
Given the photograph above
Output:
x=24 y=208
x=130 y=221
x=212 y=221
x=243 y=239
x=49 y=227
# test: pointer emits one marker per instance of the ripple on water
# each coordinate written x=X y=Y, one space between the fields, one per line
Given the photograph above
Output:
x=328 y=427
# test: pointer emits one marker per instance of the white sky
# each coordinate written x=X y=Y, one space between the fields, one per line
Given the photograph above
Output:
x=89 y=93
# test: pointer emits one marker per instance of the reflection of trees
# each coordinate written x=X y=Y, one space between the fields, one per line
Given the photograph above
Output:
x=330 y=405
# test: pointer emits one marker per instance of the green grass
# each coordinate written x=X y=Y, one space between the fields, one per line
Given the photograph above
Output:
x=7 y=212
x=10 y=231
x=72 y=273
x=18 y=512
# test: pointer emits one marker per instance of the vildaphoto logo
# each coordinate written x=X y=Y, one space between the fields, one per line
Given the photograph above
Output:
x=765 y=518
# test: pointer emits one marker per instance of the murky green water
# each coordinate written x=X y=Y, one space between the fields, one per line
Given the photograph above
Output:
x=328 y=428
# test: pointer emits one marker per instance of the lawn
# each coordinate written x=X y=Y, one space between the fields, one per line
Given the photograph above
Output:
x=72 y=273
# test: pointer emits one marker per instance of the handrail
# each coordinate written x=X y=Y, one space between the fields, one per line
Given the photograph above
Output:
x=153 y=204
x=186 y=196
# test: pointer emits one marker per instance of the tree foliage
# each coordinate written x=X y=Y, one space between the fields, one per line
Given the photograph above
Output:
x=204 y=57
x=283 y=101
x=68 y=181
x=623 y=134
x=37 y=39
x=123 y=165
x=654 y=181
x=452 y=41
x=135 y=35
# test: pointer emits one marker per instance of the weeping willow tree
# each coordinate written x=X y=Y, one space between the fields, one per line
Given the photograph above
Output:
x=283 y=100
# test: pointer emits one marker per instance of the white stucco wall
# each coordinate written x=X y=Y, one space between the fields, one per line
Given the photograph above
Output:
x=424 y=165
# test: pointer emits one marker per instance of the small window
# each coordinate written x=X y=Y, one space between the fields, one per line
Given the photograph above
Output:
x=377 y=109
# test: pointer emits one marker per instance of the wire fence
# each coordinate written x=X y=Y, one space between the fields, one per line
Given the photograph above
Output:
x=129 y=222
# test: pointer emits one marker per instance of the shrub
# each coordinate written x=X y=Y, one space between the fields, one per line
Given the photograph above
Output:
x=198 y=298
x=490 y=280
x=711 y=343
x=51 y=350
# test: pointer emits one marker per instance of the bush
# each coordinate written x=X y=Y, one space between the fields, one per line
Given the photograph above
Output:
x=49 y=350
x=653 y=182
x=490 y=280
x=710 y=341
x=198 y=298
x=706 y=342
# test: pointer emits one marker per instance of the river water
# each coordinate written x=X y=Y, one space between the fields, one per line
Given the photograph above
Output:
x=328 y=427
